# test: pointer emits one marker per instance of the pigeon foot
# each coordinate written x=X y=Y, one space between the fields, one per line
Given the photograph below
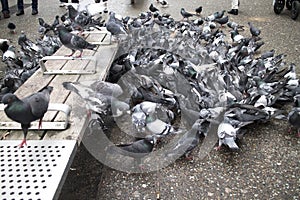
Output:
x=22 y=143
x=218 y=148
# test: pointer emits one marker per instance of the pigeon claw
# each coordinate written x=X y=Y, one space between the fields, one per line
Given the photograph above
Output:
x=189 y=158
x=69 y=55
x=78 y=56
x=22 y=143
x=218 y=148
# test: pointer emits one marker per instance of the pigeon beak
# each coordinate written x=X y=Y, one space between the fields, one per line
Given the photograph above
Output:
x=231 y=143
x=3 y=106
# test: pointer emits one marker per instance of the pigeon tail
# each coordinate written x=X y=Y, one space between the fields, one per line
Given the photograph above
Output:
x=231 y=143
x=91 y=46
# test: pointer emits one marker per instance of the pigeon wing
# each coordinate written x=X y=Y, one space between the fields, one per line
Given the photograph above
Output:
x=39 y=102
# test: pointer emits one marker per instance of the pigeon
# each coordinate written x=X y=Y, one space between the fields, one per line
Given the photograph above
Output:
x=4 y=44
x=99 y=96
x=227 y=135
x=152 y=8
x=185 y=14
x=72 y=12
x=234 y=25
x=55 y=23
x=114 y=26
x=268 y=54
x=198 y=10
x=187 y=142
x=136 y=150
x=10 y=53
x=222 y=20
x=73 y=42
x=43 y=24
x=28 y=109
x=140 y=113
x=236 y=37
x=163 y=3
x=215 y=15
x=253 y=30
x=294 y=114
x=12 y=27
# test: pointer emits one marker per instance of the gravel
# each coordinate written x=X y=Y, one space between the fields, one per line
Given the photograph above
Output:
x=265 y=167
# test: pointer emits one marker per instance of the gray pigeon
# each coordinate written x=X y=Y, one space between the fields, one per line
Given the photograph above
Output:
x=99 y=96
x=227 y=135
x=47 y=27
x=253 y=30
x=114 y=26
x=72 y=41
x=28 y=109
x=72 y=12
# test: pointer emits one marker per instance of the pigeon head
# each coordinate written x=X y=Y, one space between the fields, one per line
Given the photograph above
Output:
x=4 y=44
x=152 y=139
x=297 y=100
x=9 y=98
x=139 y=120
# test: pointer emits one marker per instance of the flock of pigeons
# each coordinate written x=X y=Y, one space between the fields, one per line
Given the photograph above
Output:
x=23 y=62
x=186 y=77
x=183 y=78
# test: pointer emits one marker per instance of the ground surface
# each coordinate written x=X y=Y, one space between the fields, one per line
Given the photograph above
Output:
x=267 y=165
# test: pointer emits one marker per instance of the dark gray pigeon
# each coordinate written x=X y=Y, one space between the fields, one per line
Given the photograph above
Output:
x=55 y=22
x=187 y=142
x=136 y=150
x=294 y=114
x=253 y=30
x=72 y=41
x=4 y=44
x=28 y=109
x=222 y=20
x=198 y=10
x=163 y=3
x=185 y=14
x=152 y=8
x=12 y=27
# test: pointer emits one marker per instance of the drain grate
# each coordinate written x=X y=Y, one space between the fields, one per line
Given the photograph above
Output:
x=36 y=171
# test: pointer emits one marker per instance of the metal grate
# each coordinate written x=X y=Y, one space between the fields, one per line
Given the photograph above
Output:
x=36 y=171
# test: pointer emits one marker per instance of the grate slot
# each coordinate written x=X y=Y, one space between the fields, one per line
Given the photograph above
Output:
x=35 y=171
